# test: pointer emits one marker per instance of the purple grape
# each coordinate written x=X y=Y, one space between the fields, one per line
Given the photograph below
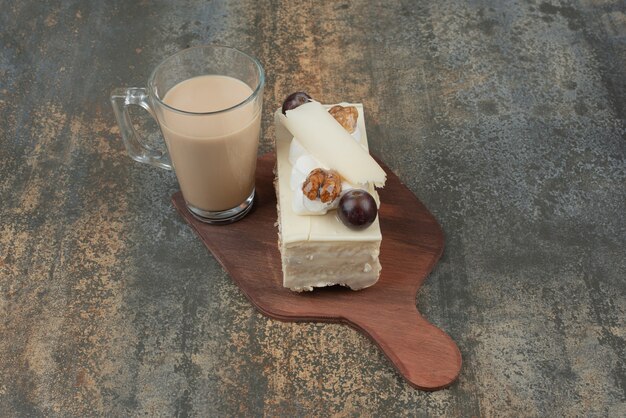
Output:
x=294 y=100
x=357 y=209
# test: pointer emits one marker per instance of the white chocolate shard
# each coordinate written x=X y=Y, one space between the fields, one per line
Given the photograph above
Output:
x=327 y=141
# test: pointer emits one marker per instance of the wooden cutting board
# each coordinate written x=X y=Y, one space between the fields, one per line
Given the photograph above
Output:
x=386 y=312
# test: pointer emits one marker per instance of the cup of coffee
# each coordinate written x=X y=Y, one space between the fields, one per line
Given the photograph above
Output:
x=207 y=100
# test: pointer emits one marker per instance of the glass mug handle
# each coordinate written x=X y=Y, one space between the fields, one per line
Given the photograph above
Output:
x=136 y=148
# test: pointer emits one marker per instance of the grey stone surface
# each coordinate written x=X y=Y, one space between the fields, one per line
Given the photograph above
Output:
x=506 y=118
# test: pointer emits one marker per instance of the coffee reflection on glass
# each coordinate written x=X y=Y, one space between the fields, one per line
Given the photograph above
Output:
x=207 y=101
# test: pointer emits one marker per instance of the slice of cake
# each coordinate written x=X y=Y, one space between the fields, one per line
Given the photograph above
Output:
x=318 y=175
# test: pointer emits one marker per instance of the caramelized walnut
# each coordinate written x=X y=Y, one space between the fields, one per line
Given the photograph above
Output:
x=346 y=116
x=323 y=184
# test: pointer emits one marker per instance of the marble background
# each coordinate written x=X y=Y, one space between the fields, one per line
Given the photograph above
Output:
x=506 y=118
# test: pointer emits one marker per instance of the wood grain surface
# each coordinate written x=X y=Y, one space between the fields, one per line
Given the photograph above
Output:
x=412 y=243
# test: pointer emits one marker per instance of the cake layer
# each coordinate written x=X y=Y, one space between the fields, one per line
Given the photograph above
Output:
x=316 y=264
x=320 y=250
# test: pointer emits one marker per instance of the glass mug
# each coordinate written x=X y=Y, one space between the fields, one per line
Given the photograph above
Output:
x=207 y=101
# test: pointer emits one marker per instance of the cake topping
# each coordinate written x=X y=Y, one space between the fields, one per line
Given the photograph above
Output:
x=322 y=184
x=357 y=209
x=294 y=100
x=329 y=143
x=346 y=116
